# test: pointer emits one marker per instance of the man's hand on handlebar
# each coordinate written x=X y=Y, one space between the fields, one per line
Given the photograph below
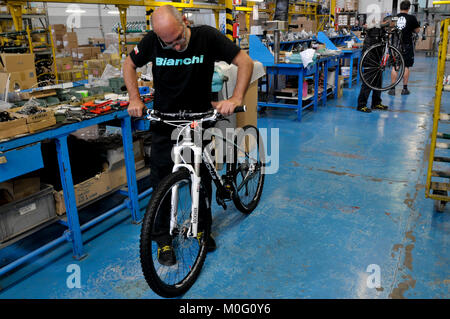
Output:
x=226 y=107
x=135 y=108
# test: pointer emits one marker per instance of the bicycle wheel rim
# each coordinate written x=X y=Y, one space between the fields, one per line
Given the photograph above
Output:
x=171 y=281
x=375 y=71
x=249 y=176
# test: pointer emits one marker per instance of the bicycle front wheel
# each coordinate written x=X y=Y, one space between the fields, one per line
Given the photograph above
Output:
x=377 y=64
x=176 y=278
x=249 y=171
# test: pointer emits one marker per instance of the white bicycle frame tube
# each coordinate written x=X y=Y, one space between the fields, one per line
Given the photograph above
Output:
x=195 y=191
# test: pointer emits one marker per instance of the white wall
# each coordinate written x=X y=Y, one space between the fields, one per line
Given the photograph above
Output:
x=384 y=5
x=89 y=21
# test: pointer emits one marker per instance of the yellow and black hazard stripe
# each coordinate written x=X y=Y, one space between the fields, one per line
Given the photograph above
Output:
x=229 y=21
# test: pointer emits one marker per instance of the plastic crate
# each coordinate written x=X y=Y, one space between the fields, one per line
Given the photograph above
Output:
x=27 y=214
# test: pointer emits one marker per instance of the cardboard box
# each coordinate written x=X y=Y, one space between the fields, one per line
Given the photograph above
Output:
x=77 y=75
x=426 y=44
x=58 y=41
x=13 y=128
x=20 y=187
x=96 y=72
x=110 y=180
x=39 y=121
x=64 y=64
x=430 y=30
x=306 y=24
x=34 y=118
x=250 y=117
x=95 y=51
x=65 y=76
x=104 y=56
x=145 y=83
x=351 y=5
x=37 y=94
x=96 y=41
x=36 y=126
x=96 y=63
x=95 y=187
x=70 y=40
x=240 y=18
x=59 y=28
x=25 y=79
x=83 y=53
x=16 y=62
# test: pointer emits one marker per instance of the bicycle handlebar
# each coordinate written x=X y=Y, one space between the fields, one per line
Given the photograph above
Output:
x=211 y=115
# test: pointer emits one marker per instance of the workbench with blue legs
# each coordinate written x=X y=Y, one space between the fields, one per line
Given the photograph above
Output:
x=350 y=54
x=31 y=159
x=301 y=73
x=325 y=63
x=259 y=52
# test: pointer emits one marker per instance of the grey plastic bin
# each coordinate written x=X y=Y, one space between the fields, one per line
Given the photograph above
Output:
x=26 y=214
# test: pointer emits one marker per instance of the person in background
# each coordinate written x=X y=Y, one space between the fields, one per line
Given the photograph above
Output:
x=373 y=36
x=408 y=24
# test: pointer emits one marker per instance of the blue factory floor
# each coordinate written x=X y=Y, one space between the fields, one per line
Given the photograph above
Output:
x=349 y=194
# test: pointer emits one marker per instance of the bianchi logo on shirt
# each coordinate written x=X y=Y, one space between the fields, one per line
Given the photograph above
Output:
x=174 y=62
x=401 y=23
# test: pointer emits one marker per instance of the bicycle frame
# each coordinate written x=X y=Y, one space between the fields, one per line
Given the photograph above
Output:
x=199 y=156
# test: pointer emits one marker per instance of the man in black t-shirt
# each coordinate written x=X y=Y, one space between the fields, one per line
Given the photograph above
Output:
x=409 y=25
x=182 y=65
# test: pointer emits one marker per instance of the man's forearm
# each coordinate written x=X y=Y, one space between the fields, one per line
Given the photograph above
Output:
x=130 y=78
x=244 y=74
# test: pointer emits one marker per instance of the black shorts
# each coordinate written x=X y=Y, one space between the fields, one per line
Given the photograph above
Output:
x=408 y=55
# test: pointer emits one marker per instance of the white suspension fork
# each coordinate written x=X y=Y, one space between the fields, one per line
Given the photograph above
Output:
x=195 y=191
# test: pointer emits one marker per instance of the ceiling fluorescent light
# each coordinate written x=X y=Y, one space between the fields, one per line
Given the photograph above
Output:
x=75 y=11
x=114 y=12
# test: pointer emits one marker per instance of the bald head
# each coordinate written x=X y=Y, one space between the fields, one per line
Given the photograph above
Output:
x=170 y=26
x=165 y=17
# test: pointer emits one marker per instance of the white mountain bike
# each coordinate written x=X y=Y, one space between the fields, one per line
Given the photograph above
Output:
x=175 y=209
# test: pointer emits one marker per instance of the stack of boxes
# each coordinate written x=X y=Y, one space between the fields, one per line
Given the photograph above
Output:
x=80 y=61
x=351 y=5
x=306 y=24
x=20 y=69
x=70 y=41
x=427 y=44
x=58 y=32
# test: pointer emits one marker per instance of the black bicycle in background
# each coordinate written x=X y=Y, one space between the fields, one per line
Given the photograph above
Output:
x=378 y=60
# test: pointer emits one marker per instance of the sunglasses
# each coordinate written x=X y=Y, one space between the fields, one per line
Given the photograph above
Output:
x=180 y=40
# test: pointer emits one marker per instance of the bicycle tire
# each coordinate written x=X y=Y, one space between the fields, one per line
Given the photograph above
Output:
x=247 y=207
x=148 y=249
x=371 y=51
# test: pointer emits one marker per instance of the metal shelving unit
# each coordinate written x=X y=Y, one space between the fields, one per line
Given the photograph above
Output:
x=21 y=40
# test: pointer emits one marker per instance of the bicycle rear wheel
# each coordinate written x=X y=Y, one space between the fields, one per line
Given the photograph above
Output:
x=190 y=253
x=249 y=165
x=376 y=65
